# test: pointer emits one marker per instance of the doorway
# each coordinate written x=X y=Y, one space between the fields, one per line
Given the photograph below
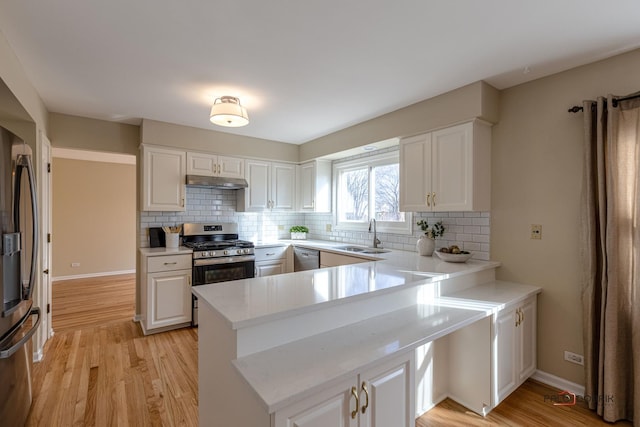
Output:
x=93 y=236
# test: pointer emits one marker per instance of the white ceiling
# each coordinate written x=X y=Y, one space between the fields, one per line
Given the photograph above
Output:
x=302 y=68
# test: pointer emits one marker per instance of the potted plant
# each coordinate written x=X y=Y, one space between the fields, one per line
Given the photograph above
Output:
x=298 y=232
x=426 y=244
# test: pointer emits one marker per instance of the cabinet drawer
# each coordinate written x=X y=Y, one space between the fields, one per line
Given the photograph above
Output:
x=168 y=263
x=265 y=254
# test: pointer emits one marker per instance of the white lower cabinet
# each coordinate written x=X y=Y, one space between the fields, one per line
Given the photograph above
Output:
x=271 y=261
x=382 y=396
x=166 y=293
x=515 y=348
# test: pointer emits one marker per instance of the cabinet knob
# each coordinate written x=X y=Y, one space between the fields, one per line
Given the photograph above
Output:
x=428 y=199
x=433 y=199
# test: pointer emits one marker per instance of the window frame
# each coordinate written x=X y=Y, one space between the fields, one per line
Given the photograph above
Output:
x=369 y=162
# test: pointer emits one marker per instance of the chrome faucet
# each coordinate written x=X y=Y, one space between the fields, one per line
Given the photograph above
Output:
x=376 y=241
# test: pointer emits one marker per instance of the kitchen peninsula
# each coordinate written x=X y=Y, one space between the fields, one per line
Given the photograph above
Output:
x=378 y=342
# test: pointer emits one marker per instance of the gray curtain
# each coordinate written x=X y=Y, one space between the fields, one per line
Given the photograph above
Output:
x=611 y=257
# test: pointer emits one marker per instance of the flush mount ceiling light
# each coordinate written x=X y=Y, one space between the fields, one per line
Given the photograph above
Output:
x=227 y=111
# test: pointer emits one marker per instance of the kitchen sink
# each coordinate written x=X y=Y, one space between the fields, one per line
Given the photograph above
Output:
x=374 y=251
x=362 y=250
x=352 y=248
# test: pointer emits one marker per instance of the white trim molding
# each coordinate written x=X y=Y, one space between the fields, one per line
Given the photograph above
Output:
x=560 y=383
x=85 y=276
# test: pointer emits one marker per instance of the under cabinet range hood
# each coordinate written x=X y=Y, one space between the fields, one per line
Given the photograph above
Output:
x=217 y=182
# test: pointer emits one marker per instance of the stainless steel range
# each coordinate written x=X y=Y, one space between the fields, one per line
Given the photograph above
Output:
x=218 y=255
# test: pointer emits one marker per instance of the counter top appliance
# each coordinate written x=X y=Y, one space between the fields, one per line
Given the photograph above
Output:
x=218 y=255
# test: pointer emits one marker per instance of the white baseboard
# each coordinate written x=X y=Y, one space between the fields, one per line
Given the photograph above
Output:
x=85 y=276
x=37 y=356
x=137 y=317
x=560 y=383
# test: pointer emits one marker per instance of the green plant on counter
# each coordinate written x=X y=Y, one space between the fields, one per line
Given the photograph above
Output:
x=298 y=229
x=432 y=232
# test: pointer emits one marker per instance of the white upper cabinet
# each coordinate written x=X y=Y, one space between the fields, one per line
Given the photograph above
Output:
x=271 y=187
x=447 y=170
x=314 y=186
x=163 y=179
x=204 y=164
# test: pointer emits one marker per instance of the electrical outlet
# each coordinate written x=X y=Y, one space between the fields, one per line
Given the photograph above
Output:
x=75 y=264
x=578 y=359
x=328 y=228
x=280 y=227
x=536 y=231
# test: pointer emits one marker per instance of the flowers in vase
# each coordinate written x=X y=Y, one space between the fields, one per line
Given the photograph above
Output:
x=432 y=232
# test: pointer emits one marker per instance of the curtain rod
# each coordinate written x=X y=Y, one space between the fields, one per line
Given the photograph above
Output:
x=577 y=108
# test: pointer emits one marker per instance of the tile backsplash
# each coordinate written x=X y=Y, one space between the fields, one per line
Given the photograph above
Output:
x=469 y=230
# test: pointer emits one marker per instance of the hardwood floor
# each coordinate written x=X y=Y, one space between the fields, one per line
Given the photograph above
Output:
x=524 y=407
x=79 y=303
x=98 y=371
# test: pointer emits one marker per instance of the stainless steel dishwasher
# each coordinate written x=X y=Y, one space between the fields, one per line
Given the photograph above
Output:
x=305 y=259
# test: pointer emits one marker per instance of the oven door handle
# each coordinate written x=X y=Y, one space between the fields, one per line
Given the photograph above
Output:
x=223 y=260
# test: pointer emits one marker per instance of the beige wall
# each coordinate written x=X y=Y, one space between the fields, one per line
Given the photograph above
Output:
x=94 y=135
x=94 y=217
x=537 y=179
x=469 y=102
x=190 y=138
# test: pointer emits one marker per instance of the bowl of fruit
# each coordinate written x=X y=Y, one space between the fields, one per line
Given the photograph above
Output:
x=453 y=254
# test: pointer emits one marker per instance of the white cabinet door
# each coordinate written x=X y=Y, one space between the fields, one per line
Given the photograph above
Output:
x=515 y=358
x=386 y=394
x=271 y=268
x=527 y=363
x=381 y=396
x=163 y=179
x=327 y=408
x=307 y=183
x=256 y=196
x=415 y=173
x=452 y=168
x=204 y=164
x=169 y=298
x=314 y=186
x=447 y=170
x=201 y=164
x=271 y=186
x=504 y=360
x=230 y=167
x=283 y=186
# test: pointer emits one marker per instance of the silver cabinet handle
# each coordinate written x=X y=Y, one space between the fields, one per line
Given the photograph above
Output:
x=171 y=263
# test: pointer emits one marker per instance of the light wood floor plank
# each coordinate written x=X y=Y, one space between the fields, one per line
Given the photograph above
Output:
x=99 y=370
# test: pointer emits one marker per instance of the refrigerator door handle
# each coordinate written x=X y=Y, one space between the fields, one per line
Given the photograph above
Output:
x=5 y=354
x=24 y=162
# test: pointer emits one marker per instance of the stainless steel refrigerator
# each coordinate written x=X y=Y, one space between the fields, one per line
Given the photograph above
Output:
x=19 y=319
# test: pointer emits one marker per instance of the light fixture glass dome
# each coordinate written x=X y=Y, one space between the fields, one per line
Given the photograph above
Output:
x=227 y=111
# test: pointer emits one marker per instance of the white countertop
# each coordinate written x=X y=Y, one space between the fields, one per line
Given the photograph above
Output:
x=165 y=251
x=290 y=372
x=251 y=301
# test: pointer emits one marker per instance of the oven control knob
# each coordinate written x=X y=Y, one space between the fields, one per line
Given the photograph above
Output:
x=239 y=251
x=246 y=251
x=226 y=252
